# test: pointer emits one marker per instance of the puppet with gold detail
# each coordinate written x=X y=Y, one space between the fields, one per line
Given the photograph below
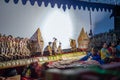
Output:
x=73 y=45
x=37 y=42
x=59 y=49
x=54 y=45
x=83 y=40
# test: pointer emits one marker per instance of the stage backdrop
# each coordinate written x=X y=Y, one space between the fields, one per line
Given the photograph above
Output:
x=23 y=20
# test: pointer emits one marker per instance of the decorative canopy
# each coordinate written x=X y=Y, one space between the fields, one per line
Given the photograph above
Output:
x=68 y=3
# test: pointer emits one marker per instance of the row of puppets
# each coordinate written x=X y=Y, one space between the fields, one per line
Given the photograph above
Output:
x=13 y=48
x=17 y=48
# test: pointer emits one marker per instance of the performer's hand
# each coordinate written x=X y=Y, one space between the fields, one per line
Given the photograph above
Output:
x=90 y=58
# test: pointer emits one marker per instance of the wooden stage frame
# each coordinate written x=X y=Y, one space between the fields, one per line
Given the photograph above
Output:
x=41 y=60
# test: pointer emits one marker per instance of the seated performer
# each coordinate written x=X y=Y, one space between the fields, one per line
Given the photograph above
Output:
x=112 y=50
x=105 y=55
x=118 y=49
x=32 y=71
x=92 y=55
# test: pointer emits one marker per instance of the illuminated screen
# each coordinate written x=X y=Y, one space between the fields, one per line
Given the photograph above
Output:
x=23 y=20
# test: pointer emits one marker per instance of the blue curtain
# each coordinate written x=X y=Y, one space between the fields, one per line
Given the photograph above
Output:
x=68 y=3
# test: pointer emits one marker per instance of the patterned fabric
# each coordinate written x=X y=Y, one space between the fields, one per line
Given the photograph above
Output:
x=92 y=57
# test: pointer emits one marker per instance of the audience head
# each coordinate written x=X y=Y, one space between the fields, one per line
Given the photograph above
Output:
x=112 y=44
x=94 y=50
x=105 y=45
